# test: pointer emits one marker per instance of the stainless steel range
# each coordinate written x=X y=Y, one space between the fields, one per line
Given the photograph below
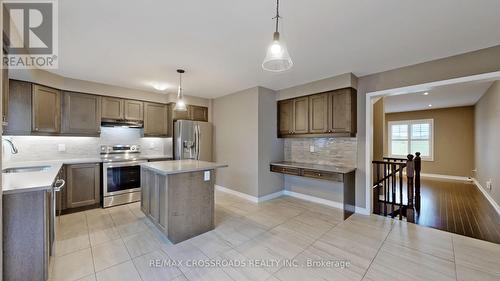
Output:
x=121 y=174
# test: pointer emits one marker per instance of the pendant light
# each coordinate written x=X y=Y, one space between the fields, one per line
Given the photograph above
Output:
x=180 y=105
x=277 y=58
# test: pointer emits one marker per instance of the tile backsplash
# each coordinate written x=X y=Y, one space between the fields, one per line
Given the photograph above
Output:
x=32 y=148
x=327 y=151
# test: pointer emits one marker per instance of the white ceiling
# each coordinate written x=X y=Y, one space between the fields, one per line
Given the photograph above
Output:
x=221 y=43
x=440 y=97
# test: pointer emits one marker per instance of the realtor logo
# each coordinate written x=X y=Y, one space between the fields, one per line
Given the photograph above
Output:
x=30 y=34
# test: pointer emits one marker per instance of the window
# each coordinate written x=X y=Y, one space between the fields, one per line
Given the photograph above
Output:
x=408 y=137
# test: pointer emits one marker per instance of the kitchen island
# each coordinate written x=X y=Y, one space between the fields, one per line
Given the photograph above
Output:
x=178 y=197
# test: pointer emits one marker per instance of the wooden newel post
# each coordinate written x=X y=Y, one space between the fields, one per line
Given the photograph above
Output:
x=410 y=174
x=418 y=168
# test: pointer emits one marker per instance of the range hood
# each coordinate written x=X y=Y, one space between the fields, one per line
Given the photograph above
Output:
x=121 y=123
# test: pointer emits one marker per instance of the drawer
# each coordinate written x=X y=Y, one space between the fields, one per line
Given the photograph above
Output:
x=285 y=170
x=323 y=175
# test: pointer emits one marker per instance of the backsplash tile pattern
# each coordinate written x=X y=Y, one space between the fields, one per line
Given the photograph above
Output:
x=327 y=151
x=33 y=148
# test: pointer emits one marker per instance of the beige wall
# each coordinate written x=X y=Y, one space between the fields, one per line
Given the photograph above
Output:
x=453 y=139
x=236 y=140
x=245 y=127
x=487 y=133
x=270 y=147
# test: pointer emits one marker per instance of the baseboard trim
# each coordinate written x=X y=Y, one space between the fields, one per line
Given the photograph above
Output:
x=302 y=196
x=249 y=197
x=487 y=195
x=237 y=193
x=447 y=177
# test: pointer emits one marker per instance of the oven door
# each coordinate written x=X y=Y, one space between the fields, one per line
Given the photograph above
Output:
x=121 y=177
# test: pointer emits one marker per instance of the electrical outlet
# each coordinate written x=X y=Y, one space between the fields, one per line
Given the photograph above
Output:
x=311 y=148
x=206 y=176
x=61 y=147
x=489 y=184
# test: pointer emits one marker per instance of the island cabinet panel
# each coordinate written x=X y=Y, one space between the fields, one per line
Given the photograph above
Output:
x=83 y=185
x=81 y=114
x=285 y=117
x=318 y=113
x=180 y=205
x=154 y=198
x=19 y=114
x=113 y=108
x=25 y=236
x=155 y=120
x=134 y=110
x=194 y=203
x=146 y=175
x=46 y=110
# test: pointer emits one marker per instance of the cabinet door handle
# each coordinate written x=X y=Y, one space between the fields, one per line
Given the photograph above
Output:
x=36 y=129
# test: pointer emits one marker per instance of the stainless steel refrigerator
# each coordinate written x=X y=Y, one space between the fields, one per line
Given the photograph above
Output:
x=192 y=140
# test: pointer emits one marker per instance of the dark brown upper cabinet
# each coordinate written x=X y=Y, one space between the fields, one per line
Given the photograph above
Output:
x=318 y=113
x=113 y=108
x=193 y=112
x=285 y=116
x=198 y=113
x=5 y=83
x=342 y=112
x=155 y=120
x=19 y=104
x=46 y=110
x=293 y=116
x=134 y=110
x=301 y=115
x=81 y=114
x=329 y=114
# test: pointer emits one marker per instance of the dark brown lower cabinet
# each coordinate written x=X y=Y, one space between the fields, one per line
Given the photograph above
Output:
x=82 y=185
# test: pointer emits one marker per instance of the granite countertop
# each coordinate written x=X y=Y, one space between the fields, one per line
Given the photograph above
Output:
x=319 y=167
x=30 y=181
x=181 y=166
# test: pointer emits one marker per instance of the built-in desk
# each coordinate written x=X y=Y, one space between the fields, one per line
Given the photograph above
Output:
x=344 y=175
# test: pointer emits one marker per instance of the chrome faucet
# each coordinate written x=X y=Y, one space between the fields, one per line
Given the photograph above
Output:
x=13 y=148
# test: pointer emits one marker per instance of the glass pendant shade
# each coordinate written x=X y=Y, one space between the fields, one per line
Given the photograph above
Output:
x=277 y=58
x=180 y=105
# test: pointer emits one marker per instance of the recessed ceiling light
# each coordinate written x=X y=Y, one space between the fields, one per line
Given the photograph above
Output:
x=426 y=94
x=430 y=105
x=160 y=86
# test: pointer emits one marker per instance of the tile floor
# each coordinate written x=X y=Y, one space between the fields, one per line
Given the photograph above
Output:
x=282 y=239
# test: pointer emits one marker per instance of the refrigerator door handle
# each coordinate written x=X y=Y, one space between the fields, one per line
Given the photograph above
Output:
x=198 y=142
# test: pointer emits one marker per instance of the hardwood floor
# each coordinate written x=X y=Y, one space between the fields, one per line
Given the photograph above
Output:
x=458 y=207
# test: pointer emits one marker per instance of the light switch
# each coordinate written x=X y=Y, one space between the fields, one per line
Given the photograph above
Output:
x=206 y=176
x=311 y=148
x=61 y=147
